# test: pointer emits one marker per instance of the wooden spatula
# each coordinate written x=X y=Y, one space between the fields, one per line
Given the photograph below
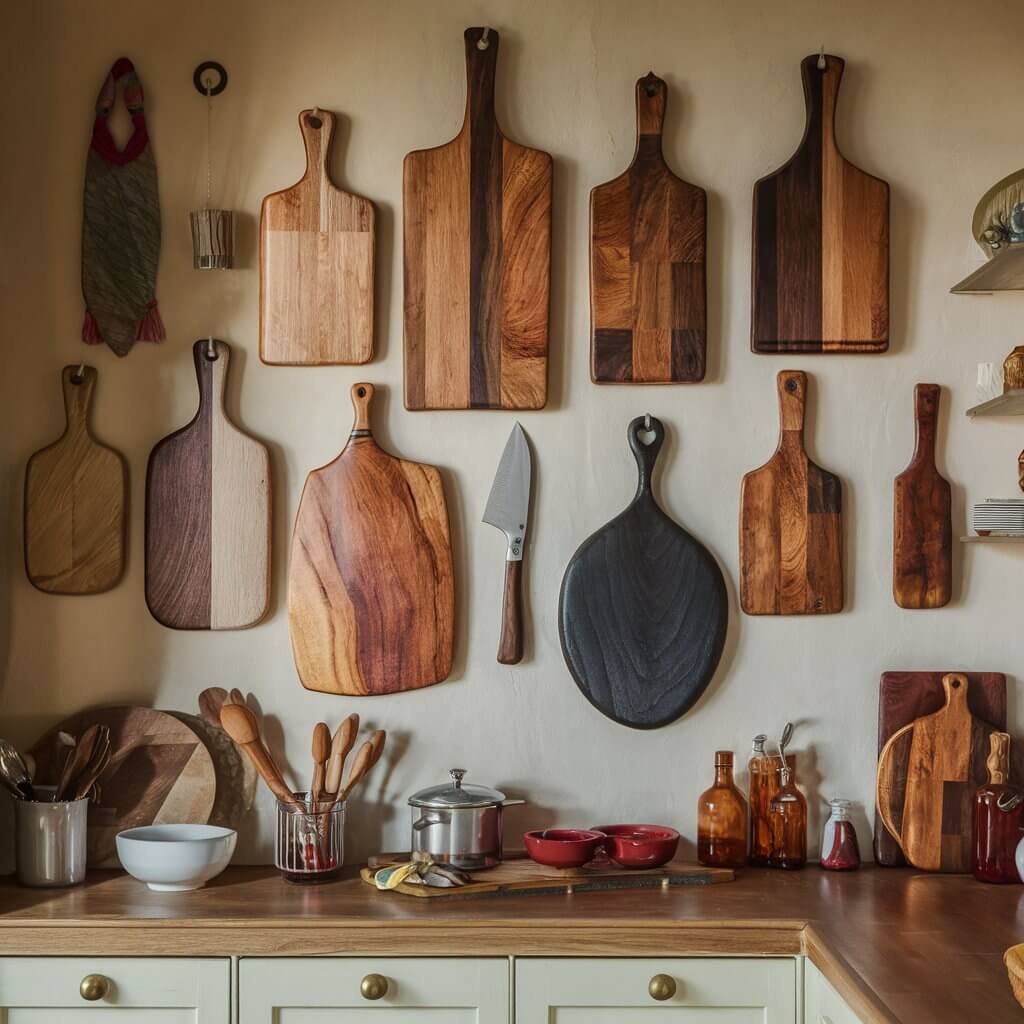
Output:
x=342 y=743
x=241 y=725
x=76 y=763
x=320 y=749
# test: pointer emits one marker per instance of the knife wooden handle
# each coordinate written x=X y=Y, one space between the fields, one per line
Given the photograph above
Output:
x=510 y=646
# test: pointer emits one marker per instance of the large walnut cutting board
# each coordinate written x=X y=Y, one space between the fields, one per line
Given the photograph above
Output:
x=477 y=259
x=821 y=240
x=371 y=595
x=648 y=231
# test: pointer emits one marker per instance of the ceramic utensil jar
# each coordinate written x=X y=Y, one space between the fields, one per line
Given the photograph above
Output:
x=51 y=845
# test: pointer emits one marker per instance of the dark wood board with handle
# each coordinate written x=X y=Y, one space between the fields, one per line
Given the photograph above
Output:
x=821 y=240
x=922 y=556
x=648 y=276
x=642 y=613
x=477 y=257
x=791 y=560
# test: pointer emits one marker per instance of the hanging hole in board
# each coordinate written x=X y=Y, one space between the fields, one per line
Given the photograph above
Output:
x=791 y=385
x=211 y=350
x=360 y=392
x=651 y=89
x=78 y=376
x=210 y=78
x=483 y=42
x=315 y=120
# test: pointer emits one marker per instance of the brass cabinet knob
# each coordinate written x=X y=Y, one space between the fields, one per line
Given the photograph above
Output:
x=94 y=987
x=662 y=987
x=374 y=986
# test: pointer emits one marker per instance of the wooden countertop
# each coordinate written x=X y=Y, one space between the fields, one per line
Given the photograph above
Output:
x=900 y=946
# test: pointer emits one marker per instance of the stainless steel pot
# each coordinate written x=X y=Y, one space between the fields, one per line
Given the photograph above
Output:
x=459 y=824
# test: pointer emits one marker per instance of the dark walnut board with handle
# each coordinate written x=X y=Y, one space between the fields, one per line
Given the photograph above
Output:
x=648 y=277
x=821 y=240
x=477 y=257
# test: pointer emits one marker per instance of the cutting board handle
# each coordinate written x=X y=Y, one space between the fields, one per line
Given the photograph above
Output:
x=821 y=91
x=792 y=385
x=317 y=127
x=362 y=395
x=883 y=795
x=926 y=418
x=206 y=353
x=481 y=62
x=955 y=684
x=646 y=455
x=78 y=394
x=651 y=97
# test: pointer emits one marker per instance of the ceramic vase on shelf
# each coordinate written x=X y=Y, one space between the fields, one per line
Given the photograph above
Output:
x=997 y=819
x=788 y=815
x=722 y=819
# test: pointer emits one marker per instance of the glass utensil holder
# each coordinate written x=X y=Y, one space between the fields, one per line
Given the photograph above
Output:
x=310 y=846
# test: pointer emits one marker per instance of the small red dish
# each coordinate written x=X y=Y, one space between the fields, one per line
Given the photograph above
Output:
x=563 y=847
x=639 y=846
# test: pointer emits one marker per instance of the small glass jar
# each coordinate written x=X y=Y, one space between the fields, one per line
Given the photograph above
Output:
x=788 y=815
x=722 y=819
x=839 y=849
x=765 y=781
x=310 y=845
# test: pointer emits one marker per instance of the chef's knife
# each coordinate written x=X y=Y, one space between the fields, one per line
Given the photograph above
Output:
x=508 y=507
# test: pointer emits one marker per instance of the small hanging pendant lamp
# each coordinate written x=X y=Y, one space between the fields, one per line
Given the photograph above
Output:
x=213 y=231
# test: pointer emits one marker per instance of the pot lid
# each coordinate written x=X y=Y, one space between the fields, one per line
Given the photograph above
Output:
x=455 y=794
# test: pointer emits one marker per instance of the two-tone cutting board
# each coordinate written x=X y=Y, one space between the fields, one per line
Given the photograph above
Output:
x=75 y=497
x=791 y=559
x=208 y=514
x=477 y=259
x=316 y=263
x=821 y=240
x=371 y=595
x=648 y=232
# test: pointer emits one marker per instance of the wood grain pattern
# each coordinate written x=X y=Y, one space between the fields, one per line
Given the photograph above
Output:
x=316 y=263
x=821 y=240
x=75 y=497
x=371 y=595
x=791 y=522
x=477 y=259
x=922 y=557
x=648 y=238
x=642 y=613
x=208 y=514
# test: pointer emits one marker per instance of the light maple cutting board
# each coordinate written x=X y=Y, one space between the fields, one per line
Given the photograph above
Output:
x=477 y=216
x=208 y=514
x=75 y=497
x=371 y=595
x=316 y=263
x=648 y=231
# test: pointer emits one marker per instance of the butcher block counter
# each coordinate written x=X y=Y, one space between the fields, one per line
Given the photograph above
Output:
x=897 y=945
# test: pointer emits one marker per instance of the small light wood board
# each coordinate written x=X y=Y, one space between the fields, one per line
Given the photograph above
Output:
x=75 y=498
x=648 y=279
x=208 y=514
x=316 y=264
x=477 y=215
x=371 y=594
x=821 y=240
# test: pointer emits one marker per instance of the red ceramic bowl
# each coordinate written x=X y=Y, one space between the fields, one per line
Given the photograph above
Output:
x=563 y=847
x=639 y=846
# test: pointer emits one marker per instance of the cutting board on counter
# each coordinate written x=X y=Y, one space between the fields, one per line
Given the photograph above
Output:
x=791 y=526
x=316 y=263
x=477 y=222
x=208 y=514
x=371 y=595
x=821 y=240
x=642 y=613
x=75 y=497
x=648 y=277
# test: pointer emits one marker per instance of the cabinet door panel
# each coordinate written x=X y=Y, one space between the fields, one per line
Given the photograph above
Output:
x=822 y=1003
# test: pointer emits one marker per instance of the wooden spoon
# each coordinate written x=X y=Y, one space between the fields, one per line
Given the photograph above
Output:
x=241 y=725
x=237 y=697
x=377 y=743
x=97 y=765
x=360 y=766
x=343 y=742
x=320 y=749
x=211 y=700
x=75 y=764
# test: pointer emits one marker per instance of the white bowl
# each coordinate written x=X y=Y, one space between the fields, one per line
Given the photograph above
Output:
x=176 y=858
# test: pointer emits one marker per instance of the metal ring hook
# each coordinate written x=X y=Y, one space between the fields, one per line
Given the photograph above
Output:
x=822 y=63
x=647 y=421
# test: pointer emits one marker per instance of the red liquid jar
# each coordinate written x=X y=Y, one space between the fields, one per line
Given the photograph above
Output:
x=839 y=849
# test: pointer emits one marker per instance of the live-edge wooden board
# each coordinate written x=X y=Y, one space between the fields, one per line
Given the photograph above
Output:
x=371 y=594
x=821 y=240
x=316 y=263
x=648 y=280
x=477 y=259
x=208 y=514
x=75 y=498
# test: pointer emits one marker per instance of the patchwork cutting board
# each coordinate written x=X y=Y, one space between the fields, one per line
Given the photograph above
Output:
x=477 y=259
x=371 y=595
x=316 y=263
x=791 y=522
x=208 y=514
x=821 y=240
x=75 y=497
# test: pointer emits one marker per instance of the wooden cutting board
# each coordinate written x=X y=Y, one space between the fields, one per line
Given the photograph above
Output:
x=922 y=557
x=904 y=696
x=791 y=522
x=821 y=240
x=648 y=232
x=946 y=765
x=371 y=595
x=477 y=259
x=643 y=612
x=75 y=497
x=208 y=514
x=316 y=263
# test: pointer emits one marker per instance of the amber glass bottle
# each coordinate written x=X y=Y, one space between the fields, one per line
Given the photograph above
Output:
x=996 y=824
x=765 y=782
x=788 y=815
x=722 y=819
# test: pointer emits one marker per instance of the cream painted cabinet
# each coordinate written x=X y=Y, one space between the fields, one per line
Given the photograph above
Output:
x=822 y=1003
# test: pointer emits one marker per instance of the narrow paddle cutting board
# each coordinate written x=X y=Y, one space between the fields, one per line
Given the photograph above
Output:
x=316 y=264
x=642 y=614
x=922 y=556
x=477 y=259
x=371 y=595
x=208 y=514
x=75 y=497
x=791 y=522
x=821 y=240
x=648 y=232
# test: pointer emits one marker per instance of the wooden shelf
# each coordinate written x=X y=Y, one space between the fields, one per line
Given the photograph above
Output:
x=1010 y=403
x=1004 y=272
x=974 y=539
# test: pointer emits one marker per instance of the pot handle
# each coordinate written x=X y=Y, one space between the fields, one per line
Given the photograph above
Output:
x=425 y=822
x=512 y=803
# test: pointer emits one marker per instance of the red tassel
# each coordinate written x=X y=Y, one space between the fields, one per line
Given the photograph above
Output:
x=91 y=330
x=151 y=326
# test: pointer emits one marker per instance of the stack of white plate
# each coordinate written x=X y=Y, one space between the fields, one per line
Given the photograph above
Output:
x=1000 y=516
